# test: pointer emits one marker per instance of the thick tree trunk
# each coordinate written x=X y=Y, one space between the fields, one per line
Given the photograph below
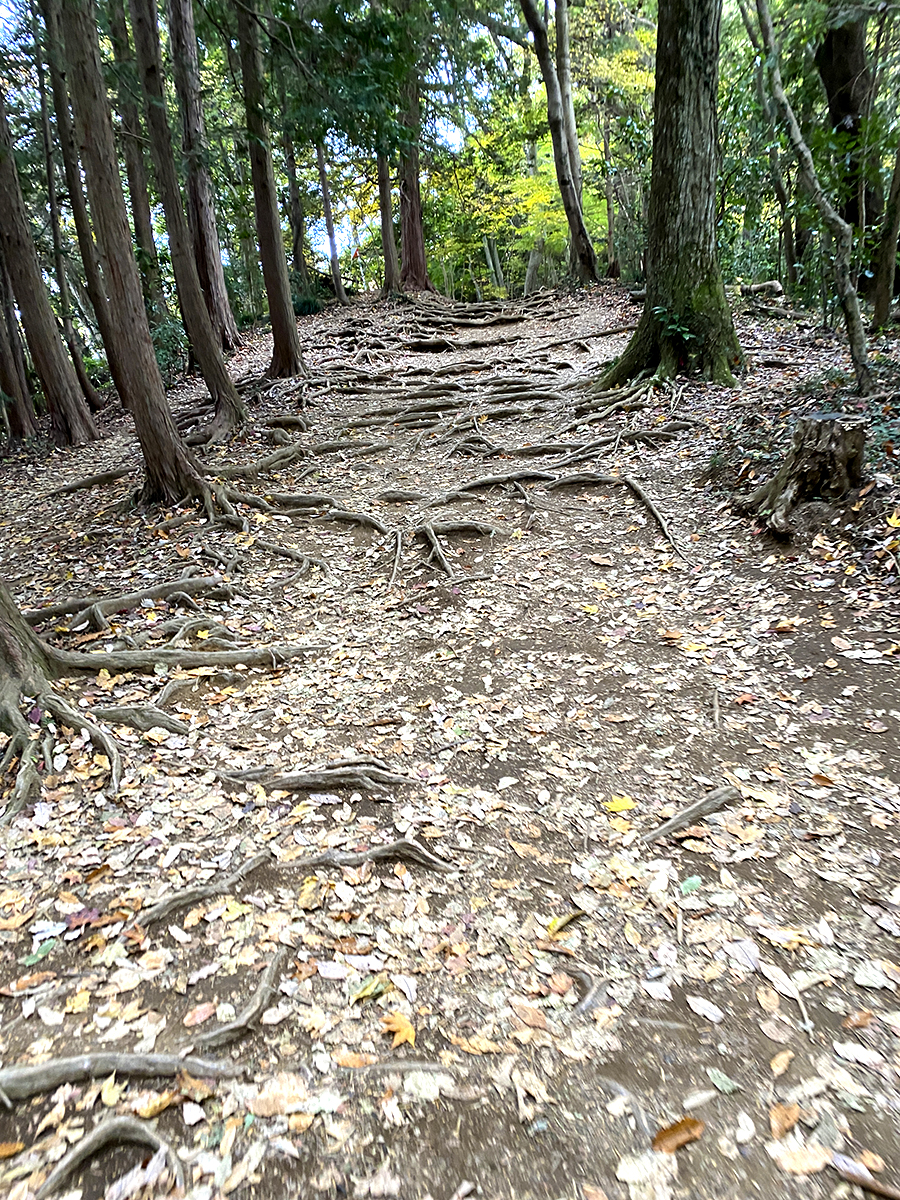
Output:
x=205 y=341
x=388 y=241
x=825 y=461
x=564 y=74
x=335 y=265
x=839 y=229
x=200 y=206
x=686 y=324
x=296 y=217
x=413 y=262
x=15 y=401
x=886 y=260
x=170 y=471
x=286 y=357
x=583 y=256
x=70 y=417
x=135 y=167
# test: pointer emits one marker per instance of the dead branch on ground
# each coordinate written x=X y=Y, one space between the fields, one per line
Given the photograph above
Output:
x=23 y=1082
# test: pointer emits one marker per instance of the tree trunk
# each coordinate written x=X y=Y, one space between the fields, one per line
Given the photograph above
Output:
x=564 y=74
x=170 y=473
x=135 y=168
x=825 y=461
x=686 y=324
x=296 y=217
x=886 y=261
x=91 y=396
x=388 y=241
x=339 y=292
x=205 y=341
x=840 y=230
x=200 y=206
x=582 y=251
x=414 y=264
x=613 y=270
x=532 y=269
x=12 y=328
x=70 y=417
x=286 y=357
x=18 y=413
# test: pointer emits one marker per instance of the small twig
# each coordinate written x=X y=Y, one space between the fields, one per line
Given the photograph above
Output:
x=398 y=552
x=709 y=803
x=852 y=1172
x=437 y=550
x=715 y=707
x=249 y=1014
x=20 y=1083
x=113 y=1129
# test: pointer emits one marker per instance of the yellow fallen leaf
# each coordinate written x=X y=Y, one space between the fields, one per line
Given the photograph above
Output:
x=111 y=1091
x=620 y=825
x=619 y=804
x=477 y=1044
x=401 y=1027
x=202 y=634
x=78 y=1002
x=632 y=934
x=894 y=519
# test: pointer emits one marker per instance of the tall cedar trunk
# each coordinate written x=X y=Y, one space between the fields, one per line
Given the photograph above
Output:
x=12 y=328
x=170 y=473
x=564 y=73
x=286 y=359
x=844 y=69
x=205 y=341
x=836 y=226
x=70 y=417
x=93 y=279
x=91 y=396
x=583 y=257
x=388 y=241
x=135 y=166
x=329 y=226
x=886 y=260
x=686 y=324
x=15 y=401
x=413 y=262
x=200 y=206
x=613 y=270
x=296 y=217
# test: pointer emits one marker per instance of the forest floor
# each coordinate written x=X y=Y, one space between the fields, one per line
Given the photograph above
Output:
x=526 y=991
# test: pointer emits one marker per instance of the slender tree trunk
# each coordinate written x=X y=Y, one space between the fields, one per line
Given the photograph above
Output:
x=135 y=167
x=93 y=277
x=205 y=340
x=886 y=261
x=564 y=73
x=200 y=206
x=413 y=261
x=686 y=324
x=296 y=217
x=170 y=472
x=583 y=257
x=388 y=241
x=18 y=412
x=339 y=292
x=92 y=397
x=70 y=417
x=613 y=271
x=286 y=357
x=12 y=328
x=840 y=230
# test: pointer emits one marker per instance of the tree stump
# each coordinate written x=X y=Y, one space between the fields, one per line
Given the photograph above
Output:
x=825 y=461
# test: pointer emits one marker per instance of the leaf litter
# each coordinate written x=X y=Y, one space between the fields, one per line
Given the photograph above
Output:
x=553 y=975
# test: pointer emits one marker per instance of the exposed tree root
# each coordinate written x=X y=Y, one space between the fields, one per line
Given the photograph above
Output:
x=707 y=804
x=402 y=850
x=113 y=1129
x=245 y=1020
x=353 y=518
x=437 y=550
x=370 y=773
x=92 y=481
x=306 y=561
x=95 y=609
x=282 y=458
x=146 y=717
x=20 y=1083
x=587 y=478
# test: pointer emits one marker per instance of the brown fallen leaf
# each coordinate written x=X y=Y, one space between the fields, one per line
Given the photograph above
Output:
x=805 y=1160
x=861 y=1019
x=401 y=1027
x=872 y=1161
x=533 y=1017
x=780 y=1063
x=782 y=1119
x=477 y=1044
x=281 y=1094
x=199 y=1014
x=349 y=1058
x=682 y=1133
x=9 y=1149
x=593 y=1193
x=193 y=1089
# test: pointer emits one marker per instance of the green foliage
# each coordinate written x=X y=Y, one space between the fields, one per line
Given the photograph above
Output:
x=171 y=346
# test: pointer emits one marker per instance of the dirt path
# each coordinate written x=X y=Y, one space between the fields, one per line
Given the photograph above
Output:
x=518 y=1010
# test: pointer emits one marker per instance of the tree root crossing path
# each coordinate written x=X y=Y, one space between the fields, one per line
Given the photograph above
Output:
x=473 y=800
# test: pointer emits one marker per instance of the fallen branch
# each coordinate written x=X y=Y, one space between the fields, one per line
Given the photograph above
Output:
x=113 y=1129
x=707 y=804
x=91 y=481
x=20 y=1083
x=249 y=1014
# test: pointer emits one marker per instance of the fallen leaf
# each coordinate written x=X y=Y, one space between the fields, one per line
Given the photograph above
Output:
x=10 y=1149
x=478 y=1044
x=401 y=1027
x=682 y=1133
x=872 y=1161
x=861 y=1019
x=782 y=1119
x=199 y=1014
x=804 y=1160
x=533 y=1017
x=348 y=1058
x=780 y=1063
x=111 y=1091
x=281 y=1094
x=705 y=1008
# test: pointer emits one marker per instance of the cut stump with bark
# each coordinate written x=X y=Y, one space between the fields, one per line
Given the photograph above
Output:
x=824 y=462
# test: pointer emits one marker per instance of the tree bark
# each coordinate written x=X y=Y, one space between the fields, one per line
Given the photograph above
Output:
x=686 y=325
x=564 y=73
x=170 y=472
x=613 y=270
x=583 y=256
x=12 y=328
x=413 y=261
x=205 y=341
x=840 y=230
x=200 y=206
x=286 y=357
x=132 y=140
x=339 y=292
x=15 y=401
x=388 y=241
x=296 y=217
x=886 y=260
x=70 y=417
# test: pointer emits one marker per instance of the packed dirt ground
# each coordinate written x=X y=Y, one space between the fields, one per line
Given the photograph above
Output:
x=424 y=935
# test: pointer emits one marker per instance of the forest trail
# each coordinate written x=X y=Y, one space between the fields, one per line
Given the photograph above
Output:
x=518 y=667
